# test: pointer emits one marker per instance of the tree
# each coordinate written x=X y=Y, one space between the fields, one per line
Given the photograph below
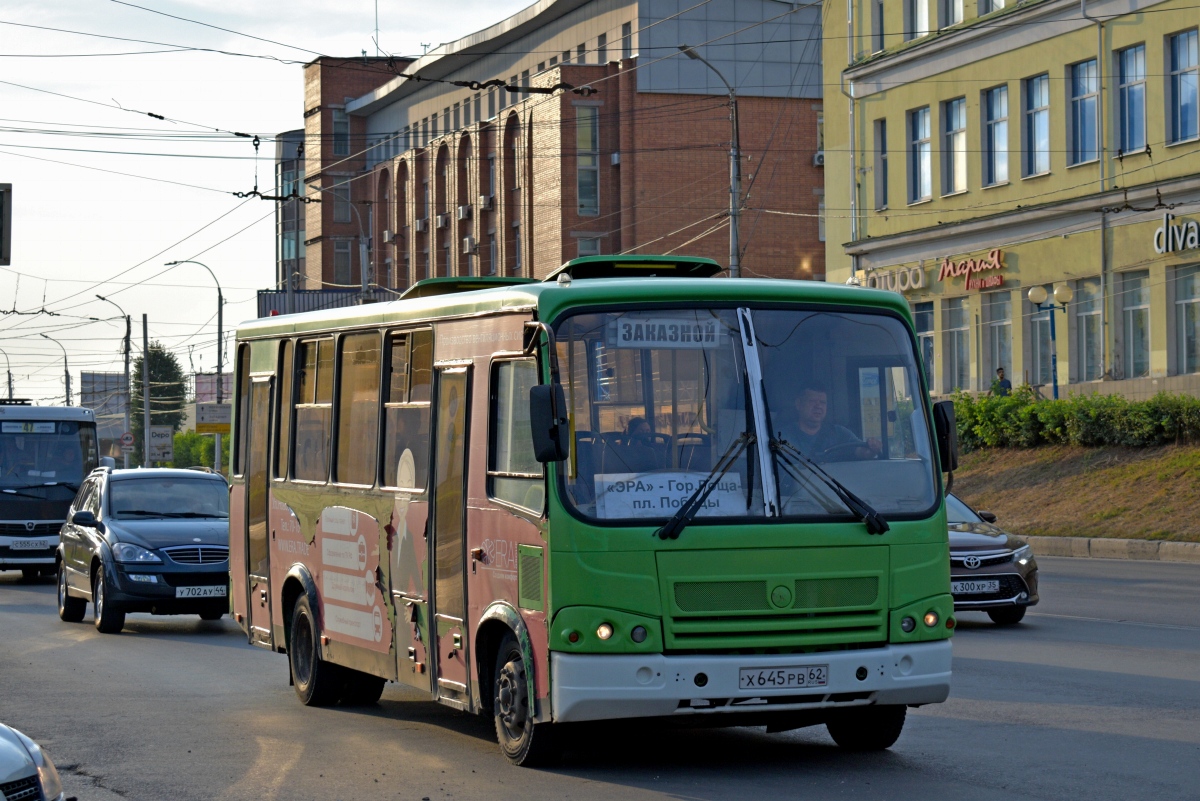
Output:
x=192 y=449
x=168 y=393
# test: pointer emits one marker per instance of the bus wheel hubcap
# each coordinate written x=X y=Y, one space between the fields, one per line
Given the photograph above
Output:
x=510 y=701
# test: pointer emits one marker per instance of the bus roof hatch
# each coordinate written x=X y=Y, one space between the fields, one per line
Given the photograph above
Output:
x=637 y=267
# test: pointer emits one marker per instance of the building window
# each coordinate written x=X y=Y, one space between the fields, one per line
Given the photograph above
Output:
x=1085 y=92
x=587 y=158
x=493 y=257
x=923 y=317
x=881 y=165
x=997 y=318
x=341 y=262
x=1037 y=125
x=516 y=267
x=916 y=19
x=566 y=57
x=341 y=202
x=1087 y=328
x=954 y=146
x=491 y=103
x=627 y=40
x=920 y=156
x=589 y=246
x=1187 y=313
x=1185 y=86
x=341 y=133
x=1039 y=341
x=951 y=12
x=1135 y=296
x=491 y=175
x=457 y=120
x=466 y=108
x=427 y=199
x=877 y=26
x=580 y=54
x=602 y=49
x=957 y=339
x=1131 y=101
x=995 y=136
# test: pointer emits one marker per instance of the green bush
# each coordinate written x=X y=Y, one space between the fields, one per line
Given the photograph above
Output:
x=1023 y=420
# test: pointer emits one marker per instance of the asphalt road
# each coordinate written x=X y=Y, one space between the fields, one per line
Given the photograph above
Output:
x=1096 y=696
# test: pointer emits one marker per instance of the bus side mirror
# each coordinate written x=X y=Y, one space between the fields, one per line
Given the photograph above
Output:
x=946 y=429
x=548 y=422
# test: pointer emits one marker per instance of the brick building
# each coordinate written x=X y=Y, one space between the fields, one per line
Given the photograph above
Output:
x=453 y=180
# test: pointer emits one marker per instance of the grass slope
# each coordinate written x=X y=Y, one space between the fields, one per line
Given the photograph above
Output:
x=1147 y=493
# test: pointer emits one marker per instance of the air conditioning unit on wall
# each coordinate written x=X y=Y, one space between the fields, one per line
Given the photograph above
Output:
x=388 y=237
x=468 y=245
x=485 y=202
x=443 y=220
x=464 y=212
x=421 y=225
x=819 y=158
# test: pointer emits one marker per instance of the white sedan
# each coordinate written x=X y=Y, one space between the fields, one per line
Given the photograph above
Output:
x=26 y=771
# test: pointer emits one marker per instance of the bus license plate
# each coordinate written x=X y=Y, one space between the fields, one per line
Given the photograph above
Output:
x=783 y=678
x=29 y=545
x=974 y=587
x=200 y=592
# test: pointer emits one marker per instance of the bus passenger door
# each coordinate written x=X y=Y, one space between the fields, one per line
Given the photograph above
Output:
x=449 y=501
x=258 y=551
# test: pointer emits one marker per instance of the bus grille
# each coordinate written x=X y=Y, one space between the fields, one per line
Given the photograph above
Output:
x=745 y=596
x=198 y=554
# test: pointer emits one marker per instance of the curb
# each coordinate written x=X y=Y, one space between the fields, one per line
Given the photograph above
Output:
x=1111 y=548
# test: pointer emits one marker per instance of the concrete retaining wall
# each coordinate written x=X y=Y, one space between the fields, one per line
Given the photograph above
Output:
x=1110 y=548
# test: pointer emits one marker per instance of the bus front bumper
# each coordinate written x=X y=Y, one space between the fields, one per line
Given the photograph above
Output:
x=600 y=687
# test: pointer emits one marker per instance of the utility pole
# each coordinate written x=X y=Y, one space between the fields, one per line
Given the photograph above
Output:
x=9 y=364
x=128 y=386
x=66 y=367
x=220 y=345
x=145 y=392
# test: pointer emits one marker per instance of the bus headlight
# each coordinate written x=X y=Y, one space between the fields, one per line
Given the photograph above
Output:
x=908 y=624
x=931 y=618
x=604 y=631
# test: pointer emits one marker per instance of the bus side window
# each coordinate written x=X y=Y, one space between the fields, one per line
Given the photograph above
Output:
x=314 y=409
x=243 y=409
x=514 y=475
x=283 y=417
x=406 y=409
x=358 y=409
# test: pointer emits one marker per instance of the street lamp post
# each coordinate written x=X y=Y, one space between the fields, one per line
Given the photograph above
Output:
x=1062 y=296
x=220 y=346
x=735 y=165
x=66 y=367
x=128 y=388
x=8 y=364
x=362 y=254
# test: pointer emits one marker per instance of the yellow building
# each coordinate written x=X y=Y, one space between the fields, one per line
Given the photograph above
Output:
x=975 y=151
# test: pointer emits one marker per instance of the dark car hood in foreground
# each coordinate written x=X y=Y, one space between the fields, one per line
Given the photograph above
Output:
x=168 y=532
x=981 y=537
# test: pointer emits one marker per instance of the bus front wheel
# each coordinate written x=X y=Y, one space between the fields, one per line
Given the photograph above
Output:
x=317 y=682
x=867 y=728
x=523 y=741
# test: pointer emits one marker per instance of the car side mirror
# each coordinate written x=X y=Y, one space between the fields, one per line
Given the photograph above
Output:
x=946 y=429
x=84 y=518
x=548 y=422
x=988 y=517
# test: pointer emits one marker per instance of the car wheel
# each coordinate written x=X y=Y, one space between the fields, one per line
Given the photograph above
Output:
x=867 y=728
x=317 y=682
x=70 y=609
x=523 y=741
x=211 y=615
x=109 y=620
x=360 y=689
x=1008 y=616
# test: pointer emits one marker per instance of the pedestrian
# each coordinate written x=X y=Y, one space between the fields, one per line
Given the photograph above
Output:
x=1001 y=387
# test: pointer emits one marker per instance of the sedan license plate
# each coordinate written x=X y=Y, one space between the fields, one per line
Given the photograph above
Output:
x=974 y=587
x=783 y=678
x=28 y=545
x=217 y=591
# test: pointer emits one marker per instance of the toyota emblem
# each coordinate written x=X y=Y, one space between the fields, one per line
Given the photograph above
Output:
x=29 y=525
x=971 y=562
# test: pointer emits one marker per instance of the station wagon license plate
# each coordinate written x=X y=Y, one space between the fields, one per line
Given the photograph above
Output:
x=217 y=591
x=974 y=587
x=29 y=545
x=783 y=678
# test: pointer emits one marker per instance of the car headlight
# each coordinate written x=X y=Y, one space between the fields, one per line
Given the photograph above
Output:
x=47 y=774
x=1022 y=555
x=128 y=552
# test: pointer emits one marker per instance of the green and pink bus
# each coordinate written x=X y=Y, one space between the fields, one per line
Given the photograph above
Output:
x=630 y=490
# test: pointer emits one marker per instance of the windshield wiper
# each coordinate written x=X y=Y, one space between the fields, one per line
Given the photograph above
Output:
x=695 y=502
x=866 y=514
x=40 y=484
x=139 y=512
x=195 y=514
x=8 y=491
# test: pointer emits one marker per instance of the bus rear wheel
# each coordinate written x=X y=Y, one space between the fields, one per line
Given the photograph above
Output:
x=523 y=741
x=867 y=728
x=317 y=682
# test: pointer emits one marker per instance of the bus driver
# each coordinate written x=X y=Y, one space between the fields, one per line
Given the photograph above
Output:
x=815 y=436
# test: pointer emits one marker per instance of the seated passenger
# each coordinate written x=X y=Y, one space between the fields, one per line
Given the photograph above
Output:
x=817 y=438
x=639 y=453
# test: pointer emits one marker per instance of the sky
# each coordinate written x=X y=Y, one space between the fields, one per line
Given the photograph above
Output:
x=88 y=222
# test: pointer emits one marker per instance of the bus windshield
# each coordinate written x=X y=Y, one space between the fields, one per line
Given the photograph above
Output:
x=36 y=452
x=659 y=397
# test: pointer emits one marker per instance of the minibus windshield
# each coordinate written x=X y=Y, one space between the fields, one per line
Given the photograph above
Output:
x=658 y=397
